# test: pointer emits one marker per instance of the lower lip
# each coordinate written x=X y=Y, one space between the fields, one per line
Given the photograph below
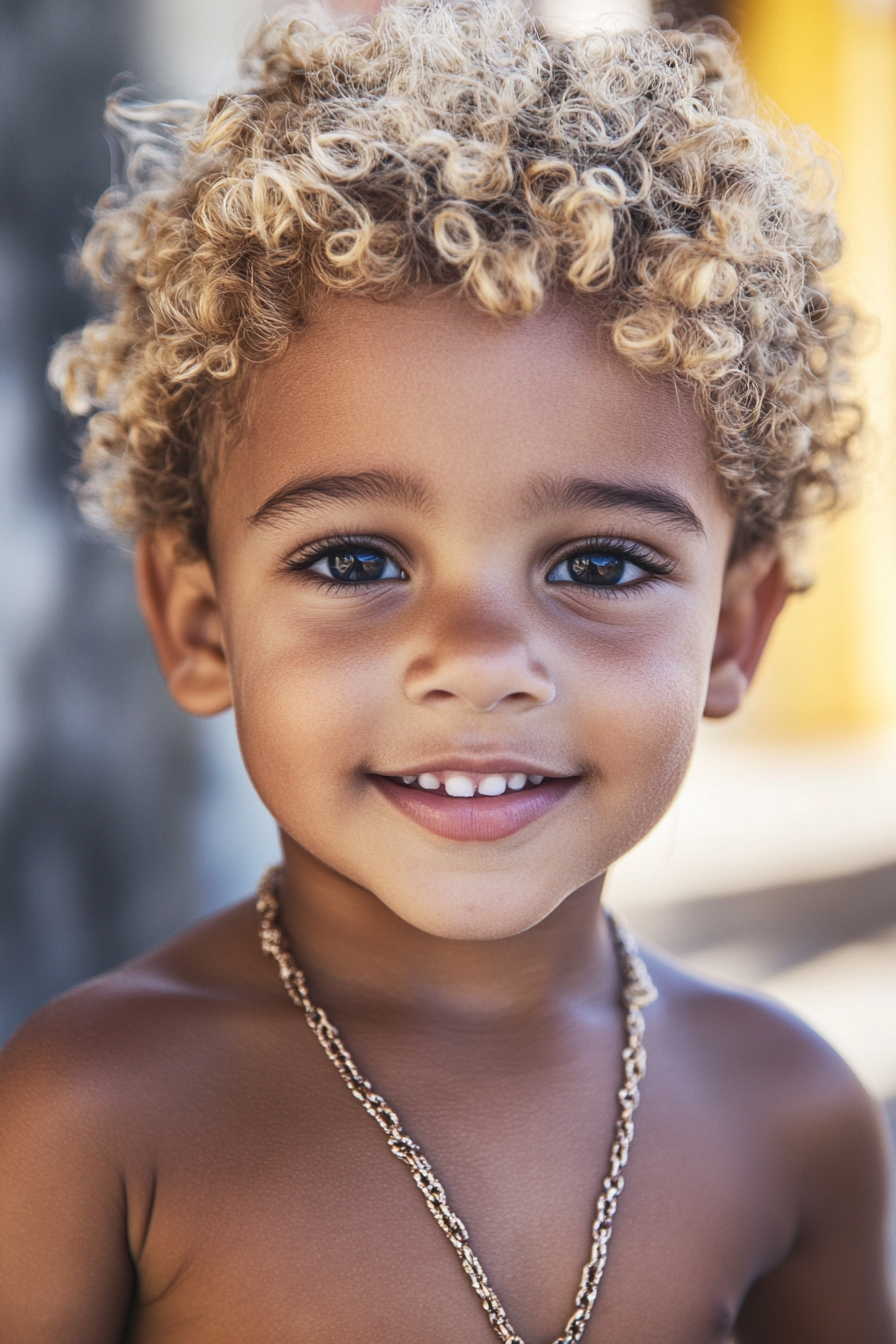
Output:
x=477 y=818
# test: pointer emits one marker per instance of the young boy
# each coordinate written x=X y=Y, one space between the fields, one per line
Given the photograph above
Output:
x=463 y=391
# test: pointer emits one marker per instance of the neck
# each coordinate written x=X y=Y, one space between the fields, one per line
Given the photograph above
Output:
x=353 y=947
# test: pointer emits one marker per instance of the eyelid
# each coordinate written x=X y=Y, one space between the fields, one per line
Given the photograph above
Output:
x=650 y=559
x=303 y=557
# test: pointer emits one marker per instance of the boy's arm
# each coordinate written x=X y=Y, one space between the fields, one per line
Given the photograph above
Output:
x=832 y=1288
x=65 y=1269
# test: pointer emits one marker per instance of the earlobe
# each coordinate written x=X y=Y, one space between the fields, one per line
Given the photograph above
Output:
x=728 y=685
x=179 y=603
x=755 y=590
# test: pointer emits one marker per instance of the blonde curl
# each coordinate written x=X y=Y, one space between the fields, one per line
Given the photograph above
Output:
x=458 y=146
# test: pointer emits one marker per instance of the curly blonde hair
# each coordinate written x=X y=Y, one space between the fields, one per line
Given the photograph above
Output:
x=459 y=146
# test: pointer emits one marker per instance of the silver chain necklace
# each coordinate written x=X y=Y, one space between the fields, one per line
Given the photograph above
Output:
x=637 y=991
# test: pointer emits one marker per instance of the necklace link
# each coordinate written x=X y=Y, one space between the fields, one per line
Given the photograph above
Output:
x=637 y=992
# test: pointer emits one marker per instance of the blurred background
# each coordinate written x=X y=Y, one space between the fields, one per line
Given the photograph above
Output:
x=121 y=820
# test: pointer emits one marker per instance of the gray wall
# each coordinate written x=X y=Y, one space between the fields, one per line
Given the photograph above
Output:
x=120 y=819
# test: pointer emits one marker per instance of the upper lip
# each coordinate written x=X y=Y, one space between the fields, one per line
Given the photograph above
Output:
x=495 y=765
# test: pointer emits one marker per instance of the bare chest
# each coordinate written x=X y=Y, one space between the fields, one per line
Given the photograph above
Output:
x=280 y=1214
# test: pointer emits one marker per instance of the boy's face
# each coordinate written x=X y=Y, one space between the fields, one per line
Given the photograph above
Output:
x=471 y=550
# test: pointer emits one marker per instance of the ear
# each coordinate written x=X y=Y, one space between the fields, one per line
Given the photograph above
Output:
x=179 y=603
x=755 y=589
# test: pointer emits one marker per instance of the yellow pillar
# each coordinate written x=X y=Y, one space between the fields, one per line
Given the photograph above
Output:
x=831 y=664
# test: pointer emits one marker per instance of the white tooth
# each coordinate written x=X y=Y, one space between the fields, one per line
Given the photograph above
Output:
x=516 y=782
x=408 y=779
x=536 y=779
x=427 y=781
x=459 y=786
x=492 y=786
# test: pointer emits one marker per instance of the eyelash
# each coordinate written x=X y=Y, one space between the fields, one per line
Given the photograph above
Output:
x=622 y=548
x=302 y=562
x=607 y=545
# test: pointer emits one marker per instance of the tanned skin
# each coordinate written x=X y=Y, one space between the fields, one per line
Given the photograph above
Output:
x=179 y=1163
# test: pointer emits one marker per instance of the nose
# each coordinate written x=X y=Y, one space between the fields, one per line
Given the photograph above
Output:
x=482 y=676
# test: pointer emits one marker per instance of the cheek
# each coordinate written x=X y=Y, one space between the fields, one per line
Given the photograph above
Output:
x=640 y=704
x=307 y=711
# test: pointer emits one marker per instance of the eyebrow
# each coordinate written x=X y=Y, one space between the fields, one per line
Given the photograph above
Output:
x=305 y=493
x=581 y=492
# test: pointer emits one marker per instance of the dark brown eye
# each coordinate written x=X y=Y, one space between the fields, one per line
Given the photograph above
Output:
x=358 y=564
x=597 y=569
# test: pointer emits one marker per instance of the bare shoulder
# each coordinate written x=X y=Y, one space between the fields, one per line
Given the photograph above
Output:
x=90 y=1049
x=755 y=1059
x=816 y=1158
x=749 y=1042
x=98 y=1092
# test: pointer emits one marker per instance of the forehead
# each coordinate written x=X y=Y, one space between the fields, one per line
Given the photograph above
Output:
x=460 y=401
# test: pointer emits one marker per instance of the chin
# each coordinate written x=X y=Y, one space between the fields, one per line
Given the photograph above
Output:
x=479 y=911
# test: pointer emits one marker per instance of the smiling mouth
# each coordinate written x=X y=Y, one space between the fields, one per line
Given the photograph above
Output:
x=459 y=784
x=466 y=805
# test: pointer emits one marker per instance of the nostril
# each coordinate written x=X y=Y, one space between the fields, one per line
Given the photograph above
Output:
x=482 y=683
